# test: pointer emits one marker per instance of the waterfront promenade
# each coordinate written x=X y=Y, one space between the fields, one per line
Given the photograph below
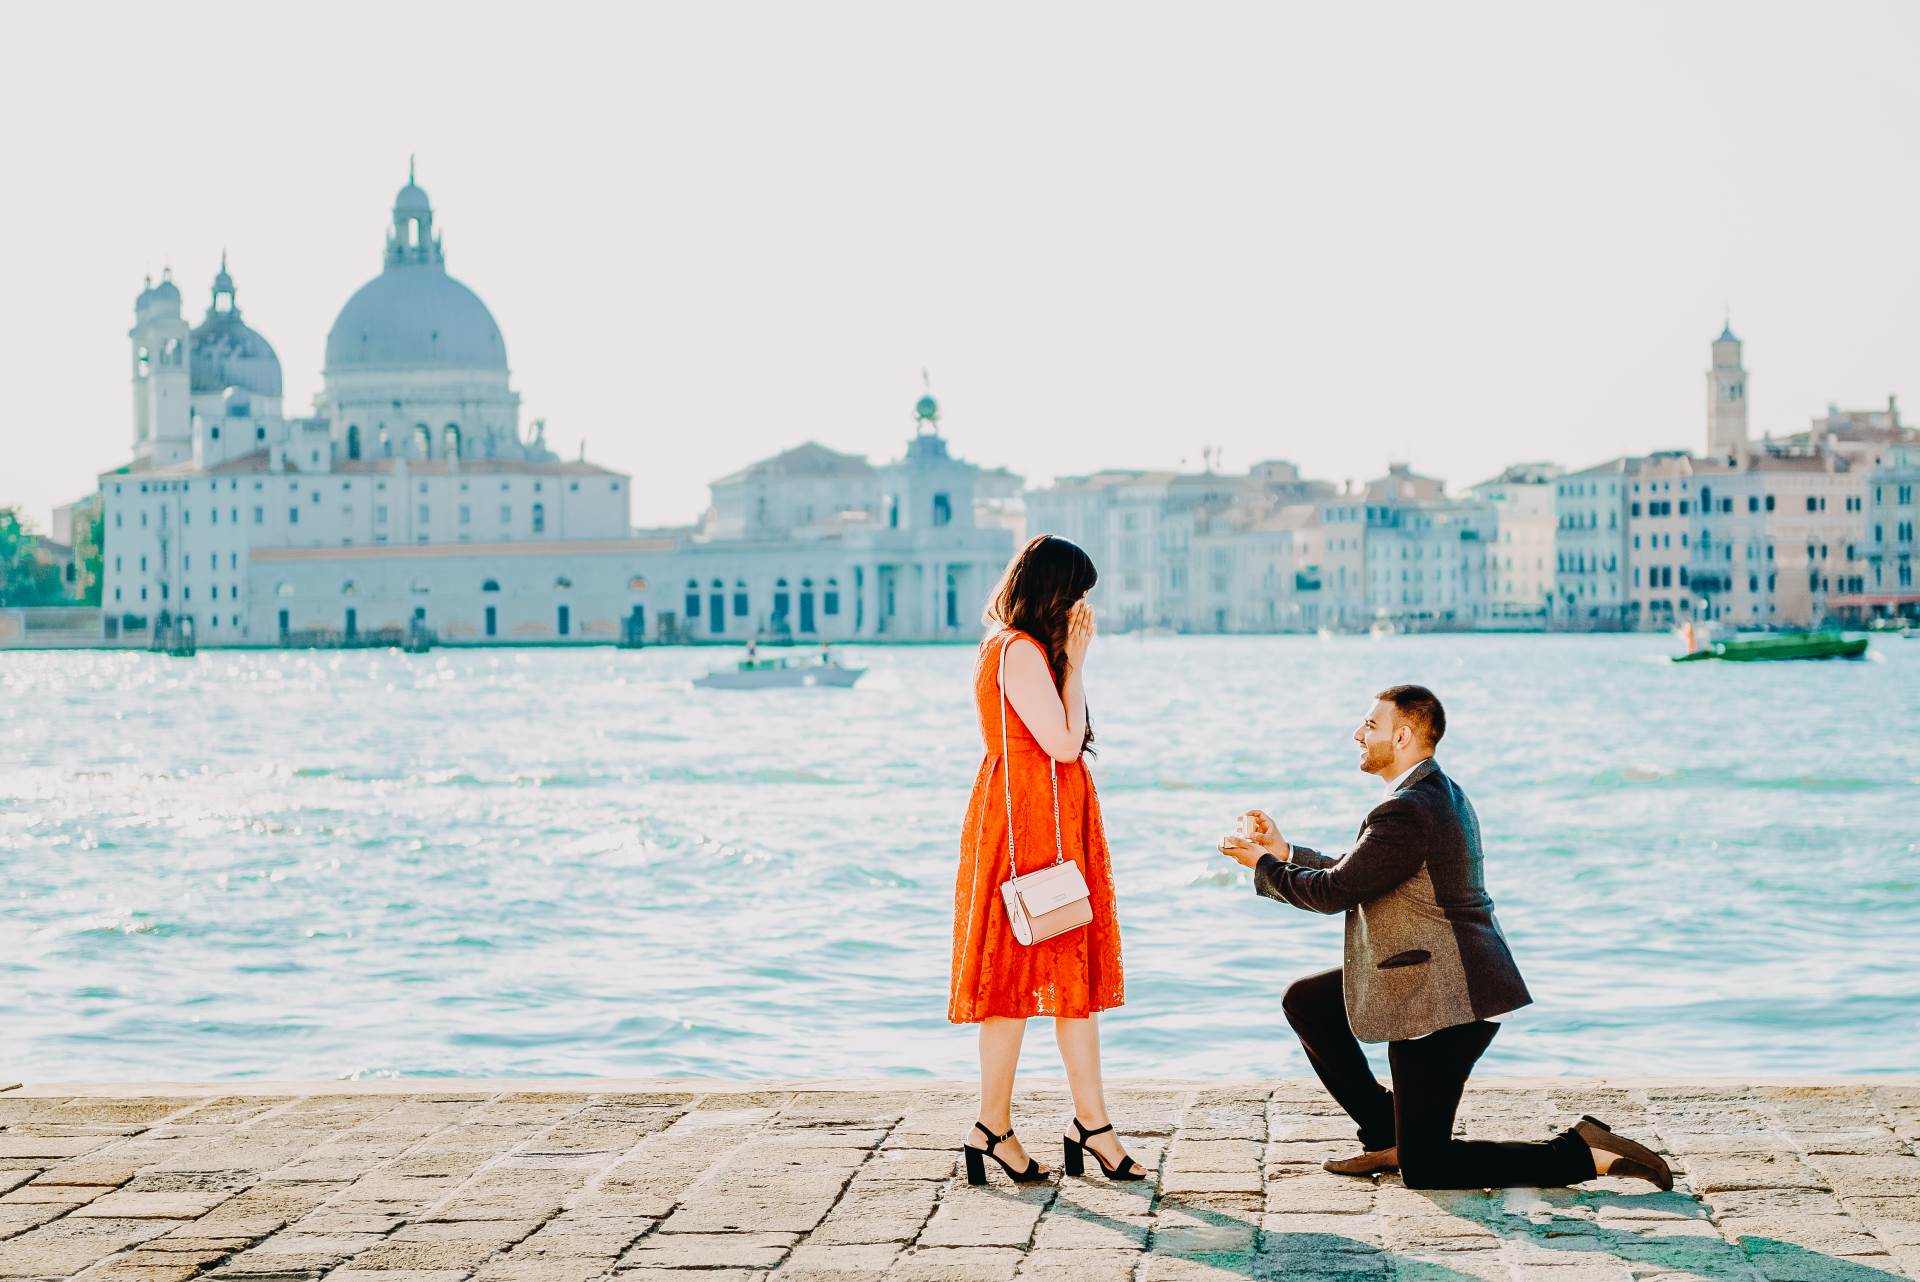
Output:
x=566 y=1181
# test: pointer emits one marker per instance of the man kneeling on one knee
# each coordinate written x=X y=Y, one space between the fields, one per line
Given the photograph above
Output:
x=1426 y=970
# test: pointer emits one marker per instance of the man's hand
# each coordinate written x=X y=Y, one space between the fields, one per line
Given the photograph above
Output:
x=1242 y=850
x=1263 y=832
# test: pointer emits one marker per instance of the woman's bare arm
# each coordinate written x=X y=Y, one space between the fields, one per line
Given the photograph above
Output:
x=1058 y=719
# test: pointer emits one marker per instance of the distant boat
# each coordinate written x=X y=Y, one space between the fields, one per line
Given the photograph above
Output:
x=1828 y=644
x=783 y=673
x=1381 y=629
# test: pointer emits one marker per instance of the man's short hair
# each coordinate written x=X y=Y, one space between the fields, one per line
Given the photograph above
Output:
x=1420 y=707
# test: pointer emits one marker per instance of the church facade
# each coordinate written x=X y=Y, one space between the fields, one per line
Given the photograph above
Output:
x=412 y=496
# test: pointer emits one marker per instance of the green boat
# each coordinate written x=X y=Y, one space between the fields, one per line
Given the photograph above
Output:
x=1794 y=645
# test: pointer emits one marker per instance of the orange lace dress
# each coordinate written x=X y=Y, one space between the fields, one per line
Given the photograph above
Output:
x=1073 y=974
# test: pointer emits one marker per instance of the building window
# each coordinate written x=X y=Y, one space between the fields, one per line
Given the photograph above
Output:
x=466 y=514
x=693 y=601
x=491 y=585
x=740 y=603
x=830 y=600
x=293 y=516
x=539 y=518
x=942 y=510
x=425 y=514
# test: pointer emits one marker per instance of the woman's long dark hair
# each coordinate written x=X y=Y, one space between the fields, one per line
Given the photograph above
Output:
x=1040 y=585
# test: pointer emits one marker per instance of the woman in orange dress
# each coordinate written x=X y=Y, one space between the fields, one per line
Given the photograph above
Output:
x=1040 y=627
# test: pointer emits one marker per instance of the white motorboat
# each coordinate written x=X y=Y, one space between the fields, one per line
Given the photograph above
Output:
x=784 y=673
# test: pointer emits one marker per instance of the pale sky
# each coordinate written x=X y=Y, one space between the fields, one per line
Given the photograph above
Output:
x=1456 y=235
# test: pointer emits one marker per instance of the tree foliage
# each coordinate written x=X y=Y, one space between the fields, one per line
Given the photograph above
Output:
x=25 y=579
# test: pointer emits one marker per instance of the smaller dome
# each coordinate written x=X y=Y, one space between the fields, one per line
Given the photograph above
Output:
x=224 y=352
x=411 y=200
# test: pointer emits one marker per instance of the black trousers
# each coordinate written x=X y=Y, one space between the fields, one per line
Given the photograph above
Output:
x=1429 y=1074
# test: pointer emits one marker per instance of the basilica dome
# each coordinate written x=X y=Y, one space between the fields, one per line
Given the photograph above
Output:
x=223 y=351
x=413 y=316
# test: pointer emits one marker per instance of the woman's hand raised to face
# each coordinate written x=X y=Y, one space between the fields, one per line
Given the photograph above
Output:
x=1080 y=631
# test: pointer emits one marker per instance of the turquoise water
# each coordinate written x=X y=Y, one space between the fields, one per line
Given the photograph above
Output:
x=569 y=862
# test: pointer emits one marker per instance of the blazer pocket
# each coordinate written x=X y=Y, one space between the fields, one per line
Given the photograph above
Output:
x=1411 y=957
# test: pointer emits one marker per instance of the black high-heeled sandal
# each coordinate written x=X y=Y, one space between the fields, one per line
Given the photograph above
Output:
x=977 y=1167
x=1127 y=1170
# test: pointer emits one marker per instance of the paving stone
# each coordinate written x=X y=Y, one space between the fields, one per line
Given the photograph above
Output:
x=505 y=1268
x=1751 y=1171
x=1190 y=1230
x=1047 y=1264
x=462 y=1245
x=127 y=1204
x=956 y=1264
x=812 y=1262
x=1071 y=1230
x=710 y=1250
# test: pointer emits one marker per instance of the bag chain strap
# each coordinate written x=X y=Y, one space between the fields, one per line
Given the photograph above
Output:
x=1006 y=773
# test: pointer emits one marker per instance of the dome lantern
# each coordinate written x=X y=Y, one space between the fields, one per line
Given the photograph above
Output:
x=411 y=239
x=223 y=295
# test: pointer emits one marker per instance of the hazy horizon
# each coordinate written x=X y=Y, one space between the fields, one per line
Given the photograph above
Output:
x=1458 y=237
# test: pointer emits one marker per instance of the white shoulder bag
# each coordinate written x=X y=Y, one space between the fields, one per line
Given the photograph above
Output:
x=1054 y=899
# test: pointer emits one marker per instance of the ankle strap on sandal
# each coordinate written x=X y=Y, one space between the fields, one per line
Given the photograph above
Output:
x=1086 y=1134
x=993 y=1139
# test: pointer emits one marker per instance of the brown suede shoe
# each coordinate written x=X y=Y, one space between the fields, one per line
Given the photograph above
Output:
x=1371 y=1163
x=1630 y=1160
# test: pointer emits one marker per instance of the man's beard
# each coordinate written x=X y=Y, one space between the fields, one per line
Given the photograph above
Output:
x=1379 y=756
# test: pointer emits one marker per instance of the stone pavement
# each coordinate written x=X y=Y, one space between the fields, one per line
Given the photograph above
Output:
x=727 y=1182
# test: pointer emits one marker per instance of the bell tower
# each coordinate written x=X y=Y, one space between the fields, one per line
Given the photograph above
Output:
x=162 y=391
x=1727 y=399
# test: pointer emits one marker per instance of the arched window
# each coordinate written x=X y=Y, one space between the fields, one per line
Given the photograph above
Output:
x=348 y=589
x=421 y=584
x=561 y=583
x=283 y=588
x=739 y=598
x=693 y=602
x=386 y=443
x=353 y=441
x=423 y=440
x=782 y=603
x=452 y=439
x=491 y=585
x=637 y=583
x=830 y=600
